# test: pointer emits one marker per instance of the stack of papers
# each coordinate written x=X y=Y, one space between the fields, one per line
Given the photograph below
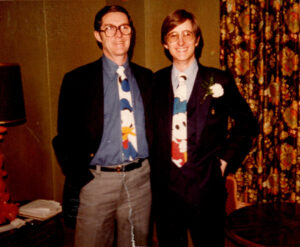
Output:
x=40 y=209
x=16 y=223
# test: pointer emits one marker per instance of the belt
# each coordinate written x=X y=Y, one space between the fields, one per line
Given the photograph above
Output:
x=120 y=168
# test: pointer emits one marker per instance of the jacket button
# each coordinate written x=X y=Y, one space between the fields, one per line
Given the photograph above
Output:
x=92 y=155
x=213 y=111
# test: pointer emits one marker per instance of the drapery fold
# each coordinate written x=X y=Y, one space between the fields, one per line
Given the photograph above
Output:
x=260 y=46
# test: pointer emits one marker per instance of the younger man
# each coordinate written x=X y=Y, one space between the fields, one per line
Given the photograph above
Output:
x=193 y=148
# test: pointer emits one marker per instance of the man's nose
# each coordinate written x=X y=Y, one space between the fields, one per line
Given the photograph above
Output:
x=118 y=33
x=180 y=40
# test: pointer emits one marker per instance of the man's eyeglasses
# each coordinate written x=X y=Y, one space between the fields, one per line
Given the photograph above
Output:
x=187 y=36
x=111 y=30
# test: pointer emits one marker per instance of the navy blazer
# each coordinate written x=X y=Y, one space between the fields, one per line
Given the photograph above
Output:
x=200 y=179
x=80 y=118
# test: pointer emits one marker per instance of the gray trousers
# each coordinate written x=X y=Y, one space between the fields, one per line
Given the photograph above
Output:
x=115 y=203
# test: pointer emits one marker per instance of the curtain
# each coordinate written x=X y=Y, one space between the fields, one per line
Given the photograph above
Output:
x=260 y=46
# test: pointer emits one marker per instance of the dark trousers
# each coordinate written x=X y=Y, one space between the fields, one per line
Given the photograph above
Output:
x=205 y=223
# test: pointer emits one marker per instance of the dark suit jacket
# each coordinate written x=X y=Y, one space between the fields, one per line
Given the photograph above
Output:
x=80 y=118
x=200 y=181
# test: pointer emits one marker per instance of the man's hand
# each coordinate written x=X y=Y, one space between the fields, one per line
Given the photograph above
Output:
x=223 y=166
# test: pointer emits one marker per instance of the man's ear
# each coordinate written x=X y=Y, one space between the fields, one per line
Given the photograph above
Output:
x=197 y=42
x=98 y=36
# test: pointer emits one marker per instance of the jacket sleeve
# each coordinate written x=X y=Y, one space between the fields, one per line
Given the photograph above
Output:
x=70 y=152
x=243 y=129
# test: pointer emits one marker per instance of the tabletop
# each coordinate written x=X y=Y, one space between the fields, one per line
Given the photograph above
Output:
x=47 y=233
x=269 y=224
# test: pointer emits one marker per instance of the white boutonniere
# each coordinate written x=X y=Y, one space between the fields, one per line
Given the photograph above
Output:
x=214 y=89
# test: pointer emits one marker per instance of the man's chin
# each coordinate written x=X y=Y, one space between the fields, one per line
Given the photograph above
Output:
x=121 y=52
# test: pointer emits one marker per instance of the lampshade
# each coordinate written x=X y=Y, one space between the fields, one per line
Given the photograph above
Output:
x=12 y=110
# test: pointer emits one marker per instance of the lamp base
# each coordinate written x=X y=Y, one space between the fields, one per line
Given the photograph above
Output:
x=8 y=211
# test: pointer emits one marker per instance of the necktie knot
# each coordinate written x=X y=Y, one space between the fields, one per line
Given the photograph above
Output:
x=120 y=72
x=182 y=77
x=181 y=87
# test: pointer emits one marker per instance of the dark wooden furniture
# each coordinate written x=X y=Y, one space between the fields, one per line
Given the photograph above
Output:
x=48 y=233
x=264 y=225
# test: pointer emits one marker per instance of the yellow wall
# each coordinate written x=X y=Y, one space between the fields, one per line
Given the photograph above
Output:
x=50 y=37
x=207 y=14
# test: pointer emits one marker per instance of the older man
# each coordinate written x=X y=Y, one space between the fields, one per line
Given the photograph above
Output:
x=102 y=140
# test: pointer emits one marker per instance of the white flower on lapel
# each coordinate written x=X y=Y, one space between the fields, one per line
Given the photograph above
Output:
x=216 y=90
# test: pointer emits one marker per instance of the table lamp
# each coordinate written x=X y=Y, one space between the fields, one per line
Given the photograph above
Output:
x=12 y=113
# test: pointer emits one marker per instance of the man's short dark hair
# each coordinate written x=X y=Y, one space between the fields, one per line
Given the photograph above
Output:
x=115 y=8
x=173 y=20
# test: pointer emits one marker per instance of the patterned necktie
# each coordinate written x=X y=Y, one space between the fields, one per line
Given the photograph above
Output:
x=179 y=123
x=129 y=141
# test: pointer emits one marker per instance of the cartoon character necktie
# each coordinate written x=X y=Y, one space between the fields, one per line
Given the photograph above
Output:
x=129 y=140
x=179 y=123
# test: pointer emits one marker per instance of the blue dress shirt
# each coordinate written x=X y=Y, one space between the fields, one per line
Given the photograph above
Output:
x=110 y=149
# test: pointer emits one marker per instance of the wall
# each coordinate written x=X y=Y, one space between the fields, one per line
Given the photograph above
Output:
x=207 y=14
x=50 y=37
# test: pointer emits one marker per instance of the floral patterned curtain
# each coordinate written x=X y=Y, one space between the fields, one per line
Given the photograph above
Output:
x=260 y=46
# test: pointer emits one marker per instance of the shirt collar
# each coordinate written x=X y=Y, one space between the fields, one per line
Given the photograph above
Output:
x=110 y=67
x=190 y=71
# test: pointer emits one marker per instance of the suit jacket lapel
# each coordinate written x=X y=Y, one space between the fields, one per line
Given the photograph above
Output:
x=197 y=104
x=168 y=91
x=164 y=93
x=96 y=96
